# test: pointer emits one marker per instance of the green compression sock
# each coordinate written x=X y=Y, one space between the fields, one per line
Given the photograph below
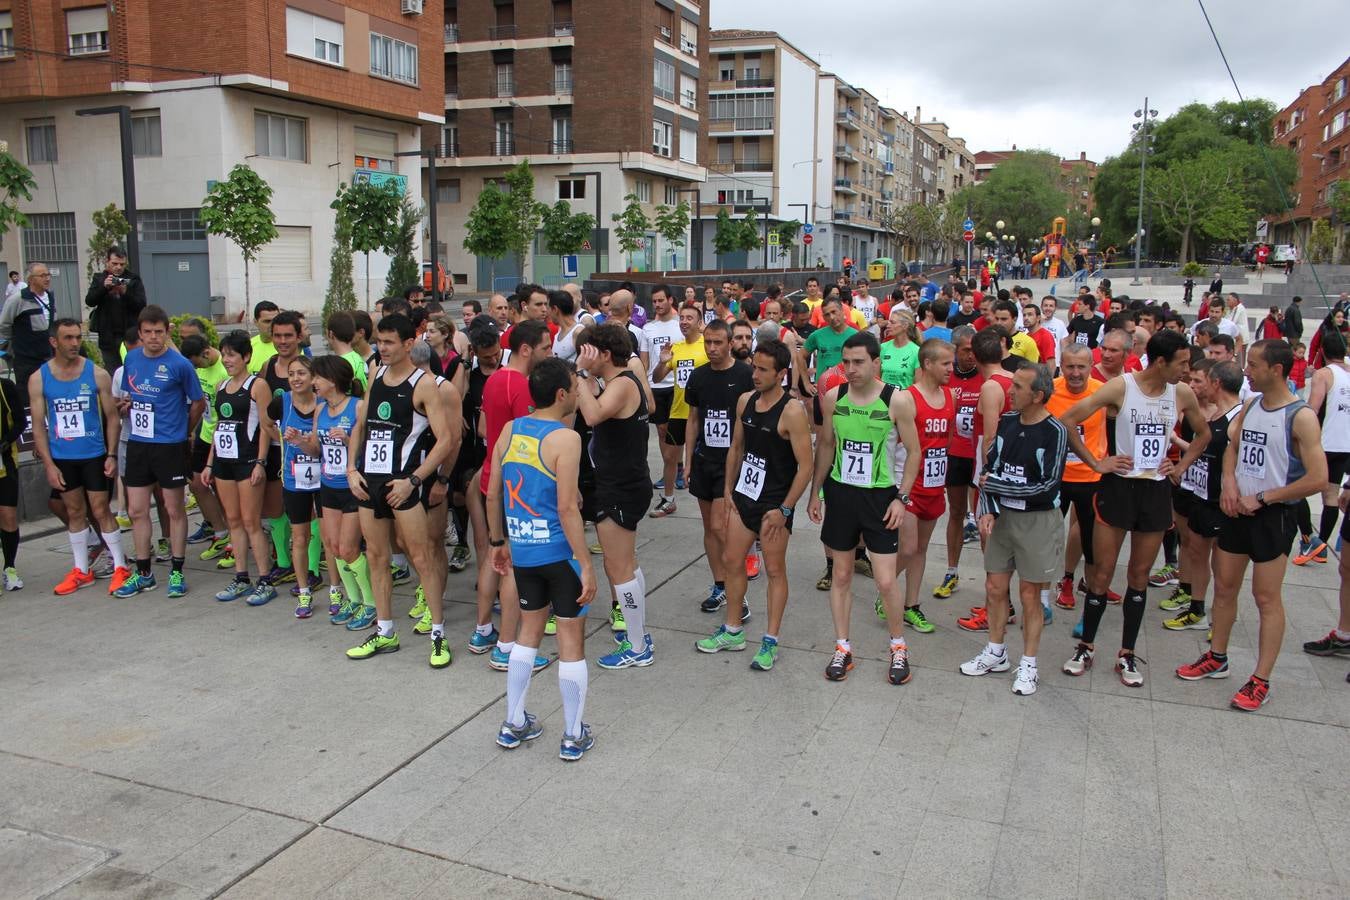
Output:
x=315 y=550
x=349 y=581
x=281 y=540
x=361 y=569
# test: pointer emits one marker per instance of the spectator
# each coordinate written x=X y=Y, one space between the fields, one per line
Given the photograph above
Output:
x=1271 y=328
x=1293 y=319
x=14 y=285
x=117 y=296
x=25 y=323
x=1335 y=321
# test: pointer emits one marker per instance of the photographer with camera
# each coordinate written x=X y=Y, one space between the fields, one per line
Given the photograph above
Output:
x=117 y=296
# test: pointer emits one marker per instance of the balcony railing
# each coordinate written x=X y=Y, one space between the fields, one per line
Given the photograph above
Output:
x=843 y=215
x=503 y=147
x=844 y=151
x=688 y=100
x=564 y=29
x=845 y=183
x=663 y=93
x=889 y=168
x=689 y=47
x=743 y=123
x=452 y=34
x=754 y=82
x=562 y=85
x=501 y=33
x=448 y=151
x=753 y=165
x=556 y=147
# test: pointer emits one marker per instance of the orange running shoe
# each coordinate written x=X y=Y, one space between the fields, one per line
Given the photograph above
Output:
x=1253 y=695
x=119 y=578
x=978 y=620
x=74 y=580
x=751 y=565
x=1066 y=599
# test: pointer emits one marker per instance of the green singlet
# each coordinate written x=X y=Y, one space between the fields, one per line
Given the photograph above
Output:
x=864 y=440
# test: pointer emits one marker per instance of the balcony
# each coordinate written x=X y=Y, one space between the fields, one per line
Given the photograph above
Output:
x=754 y=82
x=502 y=147
x=452 y=34
x=562 y=86
x=887 y=196
x=501 y=33
x=844 y=151
x=844 y=186
x=888 y=137
x=888 y=168
x=689 y=100
x=847 y=119
x=564 y=29
x=663 y=93
x=753 y=124
x=744 y=166
x=448 y=150
x=559 y=147
x=688 y=47
x=843 y=215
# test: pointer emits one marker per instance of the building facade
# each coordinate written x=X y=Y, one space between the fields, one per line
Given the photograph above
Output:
x=309 y=93
x=566 y=87
x=1315 y=128
x=1077 y=177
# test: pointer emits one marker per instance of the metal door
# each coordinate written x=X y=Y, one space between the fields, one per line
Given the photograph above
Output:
x=180 y=282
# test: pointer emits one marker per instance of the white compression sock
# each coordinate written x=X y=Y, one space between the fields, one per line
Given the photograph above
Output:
x=518 y=672
x=114 y=541
x=633 y=602
x=79 y=548
x=572 y=682
x=642 y=580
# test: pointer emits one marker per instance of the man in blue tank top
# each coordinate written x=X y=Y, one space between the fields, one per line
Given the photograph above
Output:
x=535 y=528
x=75 y=430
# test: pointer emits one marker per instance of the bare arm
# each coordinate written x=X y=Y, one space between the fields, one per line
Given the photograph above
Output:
x=1321 y=384
x=903 y=415
x=443 y=426
x=355 y=440
x=611 y=403
x=496 y=513
x=1110 y=394
x=1308 y=443
x=566 y=463
x=799 y=432
x=737 y=449
x=41 y=444
x=112 y=422
x=262 y=398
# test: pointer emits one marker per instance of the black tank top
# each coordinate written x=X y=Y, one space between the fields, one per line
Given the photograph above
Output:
x=393 y=427
x=766 y=448
x=277 y=384
x=236 y=435
x=619 y=446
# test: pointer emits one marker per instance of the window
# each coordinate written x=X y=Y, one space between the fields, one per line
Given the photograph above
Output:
x=726 y=150
x=390 y=58
x=688 y=91
x=145 y=134
x=506 y=80
x=751 y=70
x=562 y=78
x=726 y=68
x=750 y=112
x=562 y=135
x=643 y=189
x=447 y=191
x=279 y=137
x=170 y=225
x=672 y=195
x=6 y=35
x=661 y=138
x=663 y=79
x=688 y=145
x=286 y=258
x=375 y=150
x=87 y=30
x=689 y=37
x=313 y=37
x=1338 y=123
x=1339 y=91
x=504 y=137
x=571 y=188
x=41 y=139
x=50 y=236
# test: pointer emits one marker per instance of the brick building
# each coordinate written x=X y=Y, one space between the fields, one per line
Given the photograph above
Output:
x=1314 y=126
x=1076 y=176
x=566 y=86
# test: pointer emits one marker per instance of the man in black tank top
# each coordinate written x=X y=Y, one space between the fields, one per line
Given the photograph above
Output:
x=386 y=474
x=619 y=417
x=276 y=372
x=768 y=468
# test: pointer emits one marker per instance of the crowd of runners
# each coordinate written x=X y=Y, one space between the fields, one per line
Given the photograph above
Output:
x=1045 y=441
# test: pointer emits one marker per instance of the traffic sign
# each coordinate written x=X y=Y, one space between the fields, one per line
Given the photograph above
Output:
x=774 y=238
x=569 y=266
x=968 y=225
x=807 y=239
x=808 y=228
x=969 y=236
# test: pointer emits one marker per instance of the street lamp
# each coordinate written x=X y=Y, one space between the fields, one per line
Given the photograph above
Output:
x=1143 y=127
x=1096 y=221
x=598 y=181
x=999 y=225
x=123 y=114
x=429 y=154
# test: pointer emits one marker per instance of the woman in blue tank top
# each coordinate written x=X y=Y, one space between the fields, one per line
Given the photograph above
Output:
x=294 y=413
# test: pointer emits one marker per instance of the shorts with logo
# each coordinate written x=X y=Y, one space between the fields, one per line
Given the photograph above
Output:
x=960 y=471
x=1263 y=537
x=1134 y=504
x=166 y=465
x=555 y=584
x=302 y=507
x=708 y=481
x=1029 y=542
x=376 y=485
x=752 y=511
x=84 y=473
x=854 y=513
x=624 y=508
x=337 y=498
x=201 y=450
x=664 y=399
x=927 y=505
x=1080 y=495
x=675 y=429
x=1204 y=518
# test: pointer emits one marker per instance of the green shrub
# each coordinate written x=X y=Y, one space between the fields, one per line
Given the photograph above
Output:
x=212 y=336
x=1194 y=270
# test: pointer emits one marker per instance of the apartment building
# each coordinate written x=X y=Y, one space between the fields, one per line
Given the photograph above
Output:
x=565 y=86
x=1316 y=127
x=955 y=163
x=309 y=93
x=1076 y=178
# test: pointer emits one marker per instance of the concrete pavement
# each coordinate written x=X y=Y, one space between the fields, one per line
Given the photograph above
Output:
x=189 y=748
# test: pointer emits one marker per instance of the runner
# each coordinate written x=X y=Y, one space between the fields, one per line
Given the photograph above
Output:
x=235 y=467
x=770 y=463
x=301 y=476
x=663 y=330
x=618 y=416
x=277 y=373
x=1272 y=461
x=1086 y=327
x=401 y=405
x=1134 y=497
x=900 y=351
x=78 y=451
x=1020 y=524
x=854 y=482
x=965 y=387
x=712 y=392
x=11 y=428
x=680 y=358
x=535 y=504
x=212 y=530
x=1330 y=389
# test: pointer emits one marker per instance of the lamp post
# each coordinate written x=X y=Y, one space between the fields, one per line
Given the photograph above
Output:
x=806 y=218
x=430 y=156
x=1144 y=129
x=598 y=181
x=123 y=114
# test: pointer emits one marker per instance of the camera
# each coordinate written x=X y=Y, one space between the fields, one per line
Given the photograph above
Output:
x=118 y=279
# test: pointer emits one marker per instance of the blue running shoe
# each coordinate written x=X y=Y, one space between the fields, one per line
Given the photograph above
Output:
x=203 y=534
x=572 y=749
x=500 y=660
x=512 y=737
x=362 y=619
x=659 y=484
x=263 y=593
x=177 y=586
x=135 y=585
x=1078 y=630
x=717 y=598
x=346 y=612
x=482 y=643
x=238 y=587
x=626 y=657
x=541 y=663
x=1049 y=613
x=679 y=477
x=620 y=638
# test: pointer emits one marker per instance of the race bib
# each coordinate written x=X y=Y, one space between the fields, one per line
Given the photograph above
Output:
x=750 y=482
x=70 y=418
x=1150 y=445
x=683 y=369
x=1080 y=337
x=305 y=472
x=1072 y=457
x=335 y=460
x=142 y=419
x=716 y=428
x=965 y=422
x=227 y=440
x=856 y=463
x=380 y=451
x=1252 y=454
x=1196 y=478
x=935 y=467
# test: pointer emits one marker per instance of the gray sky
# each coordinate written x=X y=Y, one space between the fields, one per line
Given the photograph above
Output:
x=1037 y=79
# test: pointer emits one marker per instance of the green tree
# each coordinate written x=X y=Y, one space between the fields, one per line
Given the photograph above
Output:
x=749 y=238
x=16 y=183
x=1023 y=192
x=239 y=209
x=485 y=229
x=726 y=237
x=1338 y=197
x=564 y=231
x=110 y=227
x=521 y=214
x=1200 y=196
x=370 y=212
x=404 y=269
x=341 y=293
x=1321 y=242
x=672 y=222
x=631 y=226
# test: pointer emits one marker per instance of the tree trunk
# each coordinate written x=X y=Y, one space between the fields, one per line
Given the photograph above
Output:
x=367 y=281
x=248 y=302
x=1185 y=245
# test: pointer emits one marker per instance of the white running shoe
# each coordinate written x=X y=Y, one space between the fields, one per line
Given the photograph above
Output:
x=985 y=663
x=1025 y=681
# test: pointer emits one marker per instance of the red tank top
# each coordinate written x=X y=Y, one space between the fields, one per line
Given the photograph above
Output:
x=934 y=424
x=966 y=395
x=1004 y=381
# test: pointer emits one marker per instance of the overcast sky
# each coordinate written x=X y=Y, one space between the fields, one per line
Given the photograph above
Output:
x=1041 y=76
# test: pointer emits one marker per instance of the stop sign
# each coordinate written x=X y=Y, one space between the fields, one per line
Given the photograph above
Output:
x=806 y=239
x=969 y=237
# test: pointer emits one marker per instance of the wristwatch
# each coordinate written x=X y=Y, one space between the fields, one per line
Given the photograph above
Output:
x=414 y=480
x=904 y=499
x=786 y=511
x=492 y=543
x=443 y=479
x=1261 y=497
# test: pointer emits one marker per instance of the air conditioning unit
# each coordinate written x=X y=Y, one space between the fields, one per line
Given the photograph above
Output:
x=412 y=7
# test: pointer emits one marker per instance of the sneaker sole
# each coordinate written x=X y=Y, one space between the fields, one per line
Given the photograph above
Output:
x=639 y=664
x=731 y=647
x=77 y=587
x=755 y=666
x=479 y=651
x=1327 y=654
x=1224 y=673
x=1198 y=626
x=1024 y=693
x=1241 y=708
x=843 y=677
x=1067 y=671
x=376 y=653
x=1129 y=684
x=1005 y=667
